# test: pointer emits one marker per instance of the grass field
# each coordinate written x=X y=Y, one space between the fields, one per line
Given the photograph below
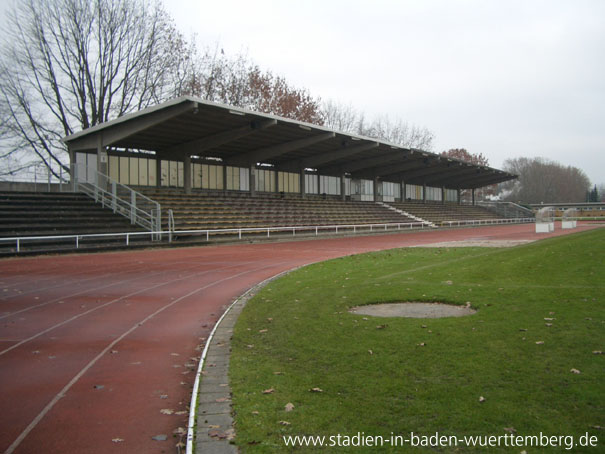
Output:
x=510 y=369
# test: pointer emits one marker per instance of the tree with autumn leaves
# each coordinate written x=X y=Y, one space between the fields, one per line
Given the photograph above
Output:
x=473 y=158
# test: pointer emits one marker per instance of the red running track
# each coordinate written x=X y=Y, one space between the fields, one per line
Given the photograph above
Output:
x=93 y=347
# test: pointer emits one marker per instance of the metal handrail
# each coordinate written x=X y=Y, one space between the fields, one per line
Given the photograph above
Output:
x=41 y=176
x=505 y=208
x=140 y=209
x=239 y=231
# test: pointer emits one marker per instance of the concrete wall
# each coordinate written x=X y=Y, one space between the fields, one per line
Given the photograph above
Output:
x=17 y=186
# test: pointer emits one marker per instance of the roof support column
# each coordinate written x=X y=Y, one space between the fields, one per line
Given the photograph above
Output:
x=377 y=187
x=102 y=180
x=224 y=178
x=402 y=191
x=318 y=184
x=158 y=171
x=252 y=171
x=72 y=167
x=459 y=196
x=343 y=187
x=423 y=192
x=187 y=173
x=473 y=193
x=302 y=184
x=277 y=191
x=443 y=194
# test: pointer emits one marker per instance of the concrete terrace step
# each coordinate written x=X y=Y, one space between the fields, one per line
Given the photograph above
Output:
x=55 y=214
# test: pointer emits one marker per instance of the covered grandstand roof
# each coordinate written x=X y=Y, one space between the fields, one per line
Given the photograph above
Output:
x=241 y=137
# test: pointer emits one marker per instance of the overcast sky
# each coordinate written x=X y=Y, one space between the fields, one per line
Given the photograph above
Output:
x=505 y=78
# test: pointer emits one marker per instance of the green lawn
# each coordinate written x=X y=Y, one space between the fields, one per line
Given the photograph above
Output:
x=297 y=334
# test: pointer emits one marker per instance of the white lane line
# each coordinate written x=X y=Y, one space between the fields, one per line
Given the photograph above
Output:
x=122 y=270
x=64 y=297
x=79 y=375
x=75 y=317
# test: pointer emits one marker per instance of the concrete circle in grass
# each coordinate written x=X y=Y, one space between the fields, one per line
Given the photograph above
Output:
x=413 y=309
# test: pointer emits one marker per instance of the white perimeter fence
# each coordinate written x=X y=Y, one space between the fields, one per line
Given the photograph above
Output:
x=128 y=238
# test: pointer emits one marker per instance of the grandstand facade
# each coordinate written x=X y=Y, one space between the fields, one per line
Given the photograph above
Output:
x=194 y=145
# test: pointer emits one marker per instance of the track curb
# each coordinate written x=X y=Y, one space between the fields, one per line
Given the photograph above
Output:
x=210 y=415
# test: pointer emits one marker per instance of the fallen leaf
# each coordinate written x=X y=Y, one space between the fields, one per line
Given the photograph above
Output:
x=113 y=352
x=370 y=352
x=179 y=431
x=182 y=412
x=166 y=411
x=180 y=445
x=164 y=396
x=284 y=423
x=269 y=391
x=548 y=324
x=117 y=440
x=255 y=412
x=289 y=406
x=250 y=346
x=539 y=342
x=316 y=390
x=574 y=371
x=422 y=344
x=226 y=435
x=549 y=319
x=269 y=319
x=263 y=330
x=381 y=326
x=522 y=329
x=481 y=399
x=512 y=430
x=98 y=386
x=214 y=426
x=278 y=373
x=597 y=352
x=222 y=399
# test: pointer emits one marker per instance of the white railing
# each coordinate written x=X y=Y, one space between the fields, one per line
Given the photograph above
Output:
x=207 y=234
x=38 y=178
x=466 y=222
x=507 y=209
x=140 y=209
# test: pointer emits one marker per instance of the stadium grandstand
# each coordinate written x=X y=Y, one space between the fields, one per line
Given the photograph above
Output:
x=201 y=169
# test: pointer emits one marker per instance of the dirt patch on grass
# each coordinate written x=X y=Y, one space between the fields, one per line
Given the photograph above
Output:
x=413 y=309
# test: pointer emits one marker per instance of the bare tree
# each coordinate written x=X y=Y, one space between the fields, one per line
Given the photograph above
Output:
x=544 y=181
x=340 y=117
x=68 y=65
x=345 y=118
